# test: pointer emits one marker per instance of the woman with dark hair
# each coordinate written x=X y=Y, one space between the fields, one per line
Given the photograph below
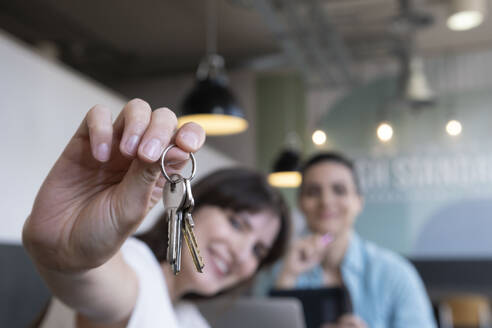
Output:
x=227 y=202
x=97 y=194
x=384 y=288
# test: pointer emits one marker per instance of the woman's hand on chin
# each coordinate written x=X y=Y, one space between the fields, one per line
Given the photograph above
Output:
x=304 y=255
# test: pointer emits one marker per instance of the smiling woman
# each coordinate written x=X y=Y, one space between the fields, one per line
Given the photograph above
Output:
x=242 y=224
x=384 y=289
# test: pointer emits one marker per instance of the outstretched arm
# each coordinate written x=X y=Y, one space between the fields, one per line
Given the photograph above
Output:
x=95 y=196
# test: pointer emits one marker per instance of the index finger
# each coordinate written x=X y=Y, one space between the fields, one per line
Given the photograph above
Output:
x=158 y=135
x=188 y=139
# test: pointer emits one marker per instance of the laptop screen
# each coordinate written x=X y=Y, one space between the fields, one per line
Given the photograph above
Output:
x=320 y=305
x=227 y=312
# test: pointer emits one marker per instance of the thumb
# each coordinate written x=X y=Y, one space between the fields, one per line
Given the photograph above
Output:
x=132 y=198
x=136 y=194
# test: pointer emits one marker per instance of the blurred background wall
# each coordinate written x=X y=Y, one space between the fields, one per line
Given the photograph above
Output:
x=37 y=95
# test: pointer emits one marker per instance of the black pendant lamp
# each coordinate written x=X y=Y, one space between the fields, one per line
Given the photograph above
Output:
x=211 y=103
x=285 y=173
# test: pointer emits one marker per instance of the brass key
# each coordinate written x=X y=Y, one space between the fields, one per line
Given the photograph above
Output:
x=188 y=225
x=190 y=239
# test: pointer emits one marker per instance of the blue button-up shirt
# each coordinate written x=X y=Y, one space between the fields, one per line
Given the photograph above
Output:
x=385 y=289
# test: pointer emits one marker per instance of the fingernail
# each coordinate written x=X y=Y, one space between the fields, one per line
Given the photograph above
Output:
x=131 y=144
x=152 y=149
x=326 y=239
x=191 y=139
x=102 y=152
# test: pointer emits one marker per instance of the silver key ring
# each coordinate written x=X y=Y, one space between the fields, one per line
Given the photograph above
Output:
x=163 y=169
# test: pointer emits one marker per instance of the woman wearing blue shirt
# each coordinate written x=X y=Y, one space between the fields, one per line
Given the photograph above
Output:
x=385 y=289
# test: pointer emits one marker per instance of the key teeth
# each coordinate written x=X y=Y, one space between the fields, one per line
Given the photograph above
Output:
x=168 y=253
x=192 y=244
x=199 y=265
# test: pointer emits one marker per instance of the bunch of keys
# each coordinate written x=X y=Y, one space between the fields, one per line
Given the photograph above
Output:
x=178 y=203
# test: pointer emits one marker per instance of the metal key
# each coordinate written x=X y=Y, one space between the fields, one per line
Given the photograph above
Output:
x=179 y=243
x=179 y=203
x=174 y=196
x=187 y=228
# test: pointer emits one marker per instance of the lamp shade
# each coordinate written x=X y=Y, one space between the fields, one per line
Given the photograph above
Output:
x=211 y=103
x=417 y=90
x=285 y=172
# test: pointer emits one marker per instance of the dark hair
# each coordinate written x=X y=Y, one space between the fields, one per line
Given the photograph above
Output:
x=335 y=158
x=236 y=189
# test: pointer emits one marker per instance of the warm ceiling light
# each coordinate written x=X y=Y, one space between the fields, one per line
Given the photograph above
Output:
x=319 y=137
x=466 y=14
x=285 y=173
x=291 y=179
x=385 y=132
x=216 y=124
x=211 y=102
x=465 y=20
x=453 y=128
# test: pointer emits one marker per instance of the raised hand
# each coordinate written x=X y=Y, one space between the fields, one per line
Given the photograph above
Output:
x=103 y=184
x=305 y=254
